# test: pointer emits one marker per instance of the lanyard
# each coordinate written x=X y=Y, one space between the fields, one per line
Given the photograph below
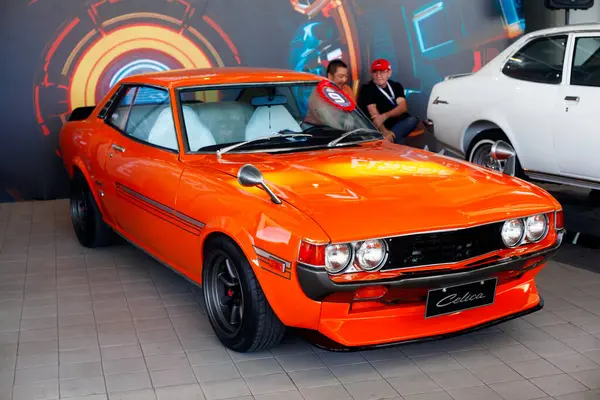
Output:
x=390 y=98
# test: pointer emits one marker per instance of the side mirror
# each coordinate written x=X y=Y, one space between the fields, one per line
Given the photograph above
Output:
x=250 y=176
x=502 y=151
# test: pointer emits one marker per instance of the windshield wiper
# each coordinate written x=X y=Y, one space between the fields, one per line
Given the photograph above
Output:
x=260 y=139
x=335 y=142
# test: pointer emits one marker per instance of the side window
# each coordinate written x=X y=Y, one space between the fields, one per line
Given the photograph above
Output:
x=118 y=117
x=144 y=113
x=108 y=104
x=586 y=62
x=540 y=60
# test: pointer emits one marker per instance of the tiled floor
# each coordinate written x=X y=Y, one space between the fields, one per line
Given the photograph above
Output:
x=113 y=324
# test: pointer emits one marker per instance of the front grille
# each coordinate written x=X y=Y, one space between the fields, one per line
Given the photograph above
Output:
x=443 y=247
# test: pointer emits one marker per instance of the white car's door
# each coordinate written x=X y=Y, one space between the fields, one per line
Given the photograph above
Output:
x=528 y=89
x=577 y=120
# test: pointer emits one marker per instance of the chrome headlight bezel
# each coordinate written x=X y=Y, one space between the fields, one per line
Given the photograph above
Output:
x=521 y=224
x=359 y=249
x=544 y=231
x=342 y=266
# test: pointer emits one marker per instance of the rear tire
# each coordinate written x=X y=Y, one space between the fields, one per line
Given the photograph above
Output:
x=236 y=306
x=89 y=227
x=480 y=147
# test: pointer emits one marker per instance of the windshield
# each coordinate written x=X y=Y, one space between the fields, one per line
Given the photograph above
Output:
x=225 y=118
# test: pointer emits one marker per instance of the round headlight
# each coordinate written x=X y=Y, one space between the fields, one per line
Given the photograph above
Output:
x=535 y=227
x=337 y=257
x=512 y=232
x=370 y=254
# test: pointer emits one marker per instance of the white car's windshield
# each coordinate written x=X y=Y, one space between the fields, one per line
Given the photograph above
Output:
x=237 y=119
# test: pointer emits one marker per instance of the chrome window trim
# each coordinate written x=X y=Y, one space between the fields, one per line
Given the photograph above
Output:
x=182 y=88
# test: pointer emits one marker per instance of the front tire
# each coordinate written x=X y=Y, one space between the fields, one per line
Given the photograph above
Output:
x=90 y=229
x=236 y=306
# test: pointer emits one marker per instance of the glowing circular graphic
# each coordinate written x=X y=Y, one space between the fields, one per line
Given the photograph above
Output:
x=137 y=67
x=110 y=40
x=111 y=46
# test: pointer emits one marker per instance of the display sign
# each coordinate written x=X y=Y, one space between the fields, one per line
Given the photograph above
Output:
x=334 y=96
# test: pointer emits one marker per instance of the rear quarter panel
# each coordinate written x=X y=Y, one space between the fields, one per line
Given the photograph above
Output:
x=248 y=216
x=452 y=106
x=83 y=146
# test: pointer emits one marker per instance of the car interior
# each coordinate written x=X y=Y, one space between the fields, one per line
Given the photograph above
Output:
x=252 y=113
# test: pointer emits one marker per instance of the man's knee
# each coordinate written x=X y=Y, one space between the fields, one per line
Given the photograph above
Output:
x=412 y=122
x=406 y=126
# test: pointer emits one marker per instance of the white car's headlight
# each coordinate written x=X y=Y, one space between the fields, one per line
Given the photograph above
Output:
x=535 y=227
x=513 y=232
x=370 y=254
x=337 y=257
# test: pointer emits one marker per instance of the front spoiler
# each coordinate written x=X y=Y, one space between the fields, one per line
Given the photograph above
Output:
x=317 y=285
x=321 y=341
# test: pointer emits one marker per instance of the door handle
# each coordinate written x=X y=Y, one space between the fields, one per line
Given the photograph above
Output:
x=572 y=98
x=118 y=148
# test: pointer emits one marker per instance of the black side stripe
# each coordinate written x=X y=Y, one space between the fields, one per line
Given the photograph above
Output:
x=166 y=209
x=190 y=220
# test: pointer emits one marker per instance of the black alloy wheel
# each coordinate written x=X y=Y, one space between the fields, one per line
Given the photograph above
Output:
x=236 y=306
x=226 y=296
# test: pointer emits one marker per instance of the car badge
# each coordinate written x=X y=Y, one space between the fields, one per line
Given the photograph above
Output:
x=334 y=96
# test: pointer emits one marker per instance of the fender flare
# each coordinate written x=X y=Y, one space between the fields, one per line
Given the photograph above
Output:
x=78 y=164
x=502 y=125
x=240 y=236
x=268 y=281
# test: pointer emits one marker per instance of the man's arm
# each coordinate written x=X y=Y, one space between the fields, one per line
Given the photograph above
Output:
x=379 y=119
x=397 y=111
x=389 y=135
x=372 y=110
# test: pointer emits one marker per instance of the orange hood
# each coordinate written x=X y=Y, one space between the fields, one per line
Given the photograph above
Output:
x=381 y=189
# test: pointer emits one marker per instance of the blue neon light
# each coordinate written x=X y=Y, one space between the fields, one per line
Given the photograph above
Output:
x=511 y=12
x=138 y=66
x=422 y=15
x=410 y=43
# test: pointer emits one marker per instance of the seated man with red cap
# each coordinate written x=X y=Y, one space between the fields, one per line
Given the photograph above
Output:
x=384 y=101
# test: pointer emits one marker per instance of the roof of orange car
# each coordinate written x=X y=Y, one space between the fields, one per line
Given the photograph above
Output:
x=211 y=76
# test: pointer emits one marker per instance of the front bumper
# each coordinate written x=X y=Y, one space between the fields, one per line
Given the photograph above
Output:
x=320 y=340
x=349 y=324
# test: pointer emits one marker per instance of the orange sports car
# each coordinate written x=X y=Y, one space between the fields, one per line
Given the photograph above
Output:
x=273 y=192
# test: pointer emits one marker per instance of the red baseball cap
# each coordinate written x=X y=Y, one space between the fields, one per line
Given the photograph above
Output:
x=380 y=64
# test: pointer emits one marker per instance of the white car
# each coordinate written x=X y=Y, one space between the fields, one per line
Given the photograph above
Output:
x=541 y=95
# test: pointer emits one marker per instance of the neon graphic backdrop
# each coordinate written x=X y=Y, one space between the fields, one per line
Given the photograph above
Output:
x=69 y=53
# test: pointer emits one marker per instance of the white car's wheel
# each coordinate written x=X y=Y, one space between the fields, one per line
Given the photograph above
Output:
x=480 y=153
